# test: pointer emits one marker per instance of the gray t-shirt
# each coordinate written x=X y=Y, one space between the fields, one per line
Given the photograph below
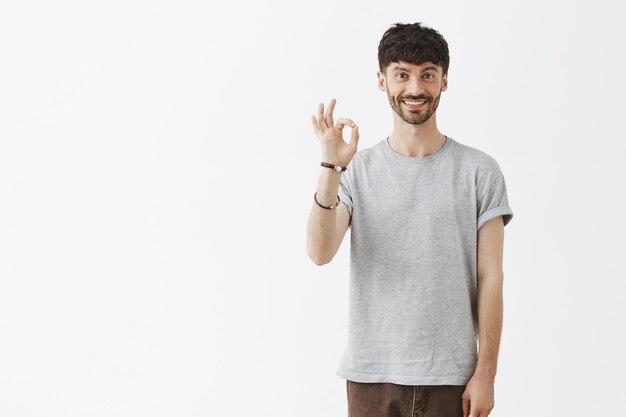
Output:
x=413 y=316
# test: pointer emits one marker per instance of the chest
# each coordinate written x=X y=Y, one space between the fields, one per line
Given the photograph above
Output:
x=430 y=200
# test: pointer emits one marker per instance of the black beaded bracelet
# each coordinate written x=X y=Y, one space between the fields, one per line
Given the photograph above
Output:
x=327 y=208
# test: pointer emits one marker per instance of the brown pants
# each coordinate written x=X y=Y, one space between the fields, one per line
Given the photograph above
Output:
x=392 y=400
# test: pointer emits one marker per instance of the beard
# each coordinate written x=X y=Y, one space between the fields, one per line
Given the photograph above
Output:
x=414 y=117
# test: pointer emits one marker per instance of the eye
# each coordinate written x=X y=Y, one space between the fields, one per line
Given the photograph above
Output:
x=429 y=74
x=400 y=74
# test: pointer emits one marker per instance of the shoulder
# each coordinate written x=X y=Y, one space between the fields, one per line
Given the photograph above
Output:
x=477 y=160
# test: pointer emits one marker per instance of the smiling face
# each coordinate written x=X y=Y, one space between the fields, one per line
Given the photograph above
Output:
x=405 y=82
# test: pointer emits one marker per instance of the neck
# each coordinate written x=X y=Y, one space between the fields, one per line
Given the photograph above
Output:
x=416 y=140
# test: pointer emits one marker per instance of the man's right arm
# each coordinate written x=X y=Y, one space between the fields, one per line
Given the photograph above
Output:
x=326 y=228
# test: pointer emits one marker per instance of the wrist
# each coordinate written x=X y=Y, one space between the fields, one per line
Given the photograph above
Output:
x=484 y=376
x=334 y=167
x=330 y=160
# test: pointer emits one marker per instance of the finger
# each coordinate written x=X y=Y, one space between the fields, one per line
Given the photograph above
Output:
x=465 y=407
x=320 y=117
x=329 y=112
x=342 y=122
x=316 y=127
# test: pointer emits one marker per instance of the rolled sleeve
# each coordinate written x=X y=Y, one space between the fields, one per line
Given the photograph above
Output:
x=345 y=192
x=493 y=199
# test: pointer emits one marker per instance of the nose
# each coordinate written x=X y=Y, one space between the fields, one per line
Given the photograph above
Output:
x=416 y=88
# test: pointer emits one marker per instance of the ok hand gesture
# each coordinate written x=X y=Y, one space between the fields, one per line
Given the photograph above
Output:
x=334 y=149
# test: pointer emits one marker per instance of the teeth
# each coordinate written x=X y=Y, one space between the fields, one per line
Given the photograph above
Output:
x=414 y=103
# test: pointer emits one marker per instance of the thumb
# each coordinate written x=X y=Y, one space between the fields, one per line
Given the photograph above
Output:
x=354 y=138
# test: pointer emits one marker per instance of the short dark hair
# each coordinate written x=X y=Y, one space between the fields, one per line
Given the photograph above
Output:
x=413 y=43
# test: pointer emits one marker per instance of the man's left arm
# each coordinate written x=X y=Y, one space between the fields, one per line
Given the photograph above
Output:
x=479 y=395
x=489 y=298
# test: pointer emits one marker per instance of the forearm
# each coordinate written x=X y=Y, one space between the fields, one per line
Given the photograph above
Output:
x=490 y=312
x=322 y=224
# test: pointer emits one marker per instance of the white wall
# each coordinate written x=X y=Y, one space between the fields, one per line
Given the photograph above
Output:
x=157 y=168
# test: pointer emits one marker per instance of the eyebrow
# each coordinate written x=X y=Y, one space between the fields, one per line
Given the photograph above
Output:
x=430 y=67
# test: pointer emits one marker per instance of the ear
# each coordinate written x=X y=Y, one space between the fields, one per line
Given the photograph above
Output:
x=381 y=81
x=444 y=83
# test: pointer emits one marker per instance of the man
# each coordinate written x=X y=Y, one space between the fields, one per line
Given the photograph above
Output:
x=427 y=215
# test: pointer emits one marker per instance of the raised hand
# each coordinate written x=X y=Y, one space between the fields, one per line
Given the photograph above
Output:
x=334 y=149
